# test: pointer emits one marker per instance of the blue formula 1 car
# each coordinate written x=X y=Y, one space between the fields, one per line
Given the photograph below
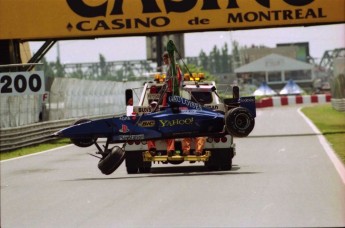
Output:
x=181 y=118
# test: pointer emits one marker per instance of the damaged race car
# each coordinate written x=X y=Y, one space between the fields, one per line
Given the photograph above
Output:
x=177 y=118
x=182 y=118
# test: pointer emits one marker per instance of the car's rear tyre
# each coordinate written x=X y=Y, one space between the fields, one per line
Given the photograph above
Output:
x=111 y=161
x=83 y=142
x=239 y=122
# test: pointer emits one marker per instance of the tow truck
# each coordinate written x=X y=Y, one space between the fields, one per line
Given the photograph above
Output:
x=219 y=150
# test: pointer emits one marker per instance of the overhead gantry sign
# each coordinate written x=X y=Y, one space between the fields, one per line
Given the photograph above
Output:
x=66 y=19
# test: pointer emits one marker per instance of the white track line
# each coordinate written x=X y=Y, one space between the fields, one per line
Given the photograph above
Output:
x=339 y=166
x=34 y=154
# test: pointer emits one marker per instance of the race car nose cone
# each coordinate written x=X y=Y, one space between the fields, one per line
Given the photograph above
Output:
x=56 y=134
x=66 y=132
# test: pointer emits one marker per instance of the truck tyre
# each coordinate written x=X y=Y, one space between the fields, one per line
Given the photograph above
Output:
x=133 y=159
x=111 y=161
x=132 y=169
x=227 y=157
x=239 y=122
x=134 y=162
x=83 y=142
x=211 y=167
x=220 y=160
x=146 y=168
x=226 y=165
x=142 y=169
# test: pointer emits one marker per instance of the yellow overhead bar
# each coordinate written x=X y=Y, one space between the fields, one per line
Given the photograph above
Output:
x=64 y=19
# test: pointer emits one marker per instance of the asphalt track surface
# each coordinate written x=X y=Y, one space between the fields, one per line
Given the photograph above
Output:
x=282 y=177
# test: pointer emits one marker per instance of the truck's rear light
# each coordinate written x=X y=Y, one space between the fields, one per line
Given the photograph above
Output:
x=130 y=142
x=224 y=139
x=217 y=140
x=209 y=140
x=137 y=142
x=153 y=89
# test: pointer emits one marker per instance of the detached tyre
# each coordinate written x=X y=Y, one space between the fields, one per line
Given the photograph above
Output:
x=112 y=161
x=83 y=142
x=239 y=122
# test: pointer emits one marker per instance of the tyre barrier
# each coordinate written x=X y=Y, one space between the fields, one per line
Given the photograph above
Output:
x=338 y=104
x=292 y=100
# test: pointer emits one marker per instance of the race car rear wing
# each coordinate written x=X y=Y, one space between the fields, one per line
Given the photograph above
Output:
x=246 y=102
x=237 y=101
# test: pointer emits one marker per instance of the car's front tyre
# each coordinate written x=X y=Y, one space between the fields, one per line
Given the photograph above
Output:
x=83 y=142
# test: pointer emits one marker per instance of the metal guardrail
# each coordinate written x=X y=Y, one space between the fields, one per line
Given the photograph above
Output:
x=19 y=137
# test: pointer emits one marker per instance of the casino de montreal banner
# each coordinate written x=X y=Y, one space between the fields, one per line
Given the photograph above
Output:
x=63 y=19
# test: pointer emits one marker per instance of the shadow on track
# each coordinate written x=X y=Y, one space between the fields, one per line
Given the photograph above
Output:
x=174 y=172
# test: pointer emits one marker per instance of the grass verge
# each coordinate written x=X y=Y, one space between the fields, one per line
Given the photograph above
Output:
x=331 y=124
x=34 y=149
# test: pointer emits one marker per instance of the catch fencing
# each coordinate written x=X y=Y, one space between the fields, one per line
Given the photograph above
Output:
x=75 y=98
x=19 y=110
x=30 y=119
x=66 y=98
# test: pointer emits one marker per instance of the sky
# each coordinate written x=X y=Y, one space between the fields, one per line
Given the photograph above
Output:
x=320 y=38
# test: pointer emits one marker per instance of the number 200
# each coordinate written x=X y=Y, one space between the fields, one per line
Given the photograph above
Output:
x=20 y=83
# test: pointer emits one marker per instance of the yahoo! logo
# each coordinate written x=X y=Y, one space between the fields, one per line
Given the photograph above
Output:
x=151 y=6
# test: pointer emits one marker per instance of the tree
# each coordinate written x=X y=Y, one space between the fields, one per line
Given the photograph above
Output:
x=47 y=68
x=77 y=74
x=218 y=61
x=203 y=60
x=236 y=54
x=120 y=75
x=59 y=69
x=214 y=60
x=225 y=60
x=104 y=68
